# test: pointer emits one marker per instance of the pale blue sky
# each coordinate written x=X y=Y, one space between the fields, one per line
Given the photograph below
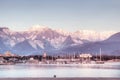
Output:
x=69 y=15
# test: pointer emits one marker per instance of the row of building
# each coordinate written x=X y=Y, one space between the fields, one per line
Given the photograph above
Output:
x=83 y=58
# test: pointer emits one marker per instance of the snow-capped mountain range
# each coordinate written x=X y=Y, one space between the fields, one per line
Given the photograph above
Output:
x=38 y=39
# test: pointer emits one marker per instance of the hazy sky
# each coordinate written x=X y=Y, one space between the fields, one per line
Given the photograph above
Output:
x=69 y=15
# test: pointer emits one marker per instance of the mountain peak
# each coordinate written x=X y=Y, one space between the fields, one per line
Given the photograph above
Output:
x=114 y=37
x=63 y=32
x=3 y=28
x=68 y=41
x=38 y=28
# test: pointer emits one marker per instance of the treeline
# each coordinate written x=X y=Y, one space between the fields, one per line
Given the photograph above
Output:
x=106 y=57
x=48 y=57
x=37 y=57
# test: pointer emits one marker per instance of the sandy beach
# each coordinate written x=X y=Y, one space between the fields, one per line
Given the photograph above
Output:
x=59 y=78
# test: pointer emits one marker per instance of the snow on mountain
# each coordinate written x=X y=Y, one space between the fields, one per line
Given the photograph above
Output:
x=38 y=28
x=24 y=47
x=106 y=34
x=61 y=31
x=39 y=43
x=57 y=42
x=40 y=38
x=114 y=38
x=68 y=41
x=92 y=35
x=34 y=45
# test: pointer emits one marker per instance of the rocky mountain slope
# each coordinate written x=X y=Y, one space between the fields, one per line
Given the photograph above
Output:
x=38 y=39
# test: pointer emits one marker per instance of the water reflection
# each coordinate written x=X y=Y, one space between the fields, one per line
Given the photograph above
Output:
x=86 y=70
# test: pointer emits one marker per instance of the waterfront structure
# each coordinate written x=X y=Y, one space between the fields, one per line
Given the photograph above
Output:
x=33 y=61
x=62 y=61
x=2 y=60
x=85 y=58
x=8 y=54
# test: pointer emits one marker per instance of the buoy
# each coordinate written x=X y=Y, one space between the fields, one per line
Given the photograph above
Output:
x=54 y=76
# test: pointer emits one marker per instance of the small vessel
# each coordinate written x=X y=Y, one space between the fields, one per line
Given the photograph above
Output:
x=100 y=61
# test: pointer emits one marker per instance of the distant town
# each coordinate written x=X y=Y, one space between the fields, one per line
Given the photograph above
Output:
x=9 y=58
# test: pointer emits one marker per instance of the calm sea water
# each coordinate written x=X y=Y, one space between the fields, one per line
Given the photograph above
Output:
x=85 y=70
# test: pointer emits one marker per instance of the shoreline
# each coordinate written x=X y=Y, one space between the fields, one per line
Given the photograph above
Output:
x=81 y=78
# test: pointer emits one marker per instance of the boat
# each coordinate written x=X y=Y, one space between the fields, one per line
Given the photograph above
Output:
x=100 y=61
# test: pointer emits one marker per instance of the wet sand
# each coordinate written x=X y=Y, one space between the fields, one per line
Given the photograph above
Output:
x=59 y=78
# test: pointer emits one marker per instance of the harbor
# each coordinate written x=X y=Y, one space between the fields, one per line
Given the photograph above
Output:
x=77 y=65
x=45 y=66
x=60 y=40
x=9 y=58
